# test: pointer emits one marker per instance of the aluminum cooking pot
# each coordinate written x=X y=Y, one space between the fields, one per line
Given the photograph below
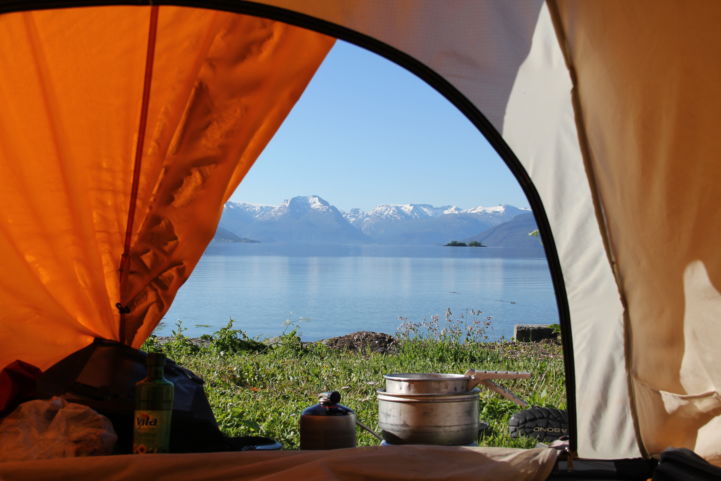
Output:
x=445 y=419
x=435 y=383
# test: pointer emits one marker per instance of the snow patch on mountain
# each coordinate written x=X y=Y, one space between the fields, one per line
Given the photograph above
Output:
x=305 y=205
x=408 y=211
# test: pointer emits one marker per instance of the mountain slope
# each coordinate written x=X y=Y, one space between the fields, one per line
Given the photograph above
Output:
x=512 y=234
x=224 y=235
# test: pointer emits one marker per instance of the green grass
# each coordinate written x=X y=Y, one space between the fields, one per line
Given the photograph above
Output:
x=256 y=389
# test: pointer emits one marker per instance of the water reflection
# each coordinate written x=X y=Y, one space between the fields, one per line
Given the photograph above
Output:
x=340 y=289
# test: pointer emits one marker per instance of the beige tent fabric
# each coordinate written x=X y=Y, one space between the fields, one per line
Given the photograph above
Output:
x=648 y=84
x=407 y=463
x=540 y=126
x=505 y=58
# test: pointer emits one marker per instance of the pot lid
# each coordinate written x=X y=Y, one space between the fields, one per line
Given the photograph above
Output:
x=431 y=376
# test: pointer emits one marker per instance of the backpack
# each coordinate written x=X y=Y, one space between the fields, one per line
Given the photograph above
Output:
x=102 y=376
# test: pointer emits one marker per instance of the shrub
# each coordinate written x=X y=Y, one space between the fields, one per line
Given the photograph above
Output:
x=178 y=344
x=229 y=340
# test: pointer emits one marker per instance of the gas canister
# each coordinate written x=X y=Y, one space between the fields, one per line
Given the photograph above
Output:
x=328 y=424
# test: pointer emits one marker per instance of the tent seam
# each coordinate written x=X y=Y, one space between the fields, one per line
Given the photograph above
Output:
x=166 y=154
x=142 y=125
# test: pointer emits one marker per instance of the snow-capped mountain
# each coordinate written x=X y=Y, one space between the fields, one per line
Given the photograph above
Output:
x=312 y=219
x=307 y=219
x=495 y=215
x=426 y=224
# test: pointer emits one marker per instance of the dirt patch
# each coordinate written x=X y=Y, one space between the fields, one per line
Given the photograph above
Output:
x=364 y=340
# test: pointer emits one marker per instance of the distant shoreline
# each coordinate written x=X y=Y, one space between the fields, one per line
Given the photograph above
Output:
x=355 y=341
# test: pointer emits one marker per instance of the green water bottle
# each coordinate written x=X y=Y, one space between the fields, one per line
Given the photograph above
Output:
x=153 y=408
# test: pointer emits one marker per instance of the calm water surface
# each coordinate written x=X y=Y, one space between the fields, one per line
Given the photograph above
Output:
x=335 y=290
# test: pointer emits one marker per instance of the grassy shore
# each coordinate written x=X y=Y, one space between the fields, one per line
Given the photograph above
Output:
x=256 y=388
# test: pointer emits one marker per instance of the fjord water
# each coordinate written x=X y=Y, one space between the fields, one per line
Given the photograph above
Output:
x=332 y=290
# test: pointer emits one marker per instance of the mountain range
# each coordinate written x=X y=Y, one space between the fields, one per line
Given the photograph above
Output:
x=311 y=219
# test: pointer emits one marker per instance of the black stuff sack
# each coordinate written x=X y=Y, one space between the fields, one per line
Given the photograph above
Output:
x=680 y=464
x=103 y=375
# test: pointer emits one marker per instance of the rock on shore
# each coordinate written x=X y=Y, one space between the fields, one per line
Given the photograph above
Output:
x=362 y=340
x=534 y=332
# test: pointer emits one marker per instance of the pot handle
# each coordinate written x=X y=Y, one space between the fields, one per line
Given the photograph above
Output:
x=477 y=377
x=368 y=429
x=472 y=381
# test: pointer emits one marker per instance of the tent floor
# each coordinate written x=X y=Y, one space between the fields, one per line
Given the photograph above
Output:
x=417 y=462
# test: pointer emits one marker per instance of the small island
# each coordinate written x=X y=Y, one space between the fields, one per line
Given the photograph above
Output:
x=463 y=244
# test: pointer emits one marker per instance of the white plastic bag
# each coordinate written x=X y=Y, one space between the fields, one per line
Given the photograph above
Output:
x=54 y=428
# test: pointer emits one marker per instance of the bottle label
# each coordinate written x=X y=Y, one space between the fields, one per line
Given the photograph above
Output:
x=151 y=433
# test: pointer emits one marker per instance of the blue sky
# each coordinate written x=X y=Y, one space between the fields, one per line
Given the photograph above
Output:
x=368 y=132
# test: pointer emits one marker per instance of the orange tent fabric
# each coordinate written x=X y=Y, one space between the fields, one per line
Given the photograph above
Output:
x=71 y=96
